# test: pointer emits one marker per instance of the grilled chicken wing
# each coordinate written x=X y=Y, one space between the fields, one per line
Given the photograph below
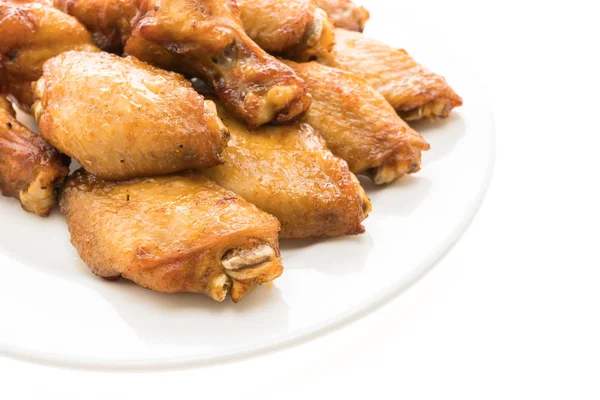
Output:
x=412 y=90
x=205 y=39
x=131 y=119
x=287 y=26
x=288 y=172
x=30 y=34
x=359 y=125
x=30 y=169
x=345 y=14
x=178 y=233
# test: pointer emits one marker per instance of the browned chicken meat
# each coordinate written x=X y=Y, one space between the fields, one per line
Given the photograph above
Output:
x=345 y=14
x=210 y=42
x=288 y=172
x=178 y=233
x=277 y=26
x=203 y=39
x=102 y=18
x=30 y=34
x=122 y=118
x=30 y=169
x=287 y=26
x=412 y=90
x=359 y=125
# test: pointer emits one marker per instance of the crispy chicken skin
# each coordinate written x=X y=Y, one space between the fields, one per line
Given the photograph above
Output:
x=177 y=233
x=30 y=169
x=130 y=120
x=359 y=125
x=288 y=172
x=206 y=39
x=203 y=39
x=30 y=34
x=413 y=91
x=287 y=26
x=101 y=17
x=345 y=14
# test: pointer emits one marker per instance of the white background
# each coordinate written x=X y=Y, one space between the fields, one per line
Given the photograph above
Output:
x=513 y=310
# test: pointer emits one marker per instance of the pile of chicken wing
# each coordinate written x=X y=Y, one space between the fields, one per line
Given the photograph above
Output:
x=189 y=187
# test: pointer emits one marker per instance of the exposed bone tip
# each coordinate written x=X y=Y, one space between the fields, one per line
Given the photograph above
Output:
x=243 y=259
x=315 y=31
x=39 y=197
x=281 y=94
x=366 y=204
x=38 y=110
x=247 y=267
x=281 y=102
x=435 y=109
x=394 y=169
x=40 y=88
x=219 y=287
x=214 y=121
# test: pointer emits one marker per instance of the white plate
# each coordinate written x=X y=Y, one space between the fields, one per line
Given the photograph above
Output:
x=55 y=311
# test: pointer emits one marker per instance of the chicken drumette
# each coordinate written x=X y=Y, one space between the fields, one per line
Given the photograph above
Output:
x=122 y=118
x=359 y=125
x=177 y=233
x=203 y=39
x=30 y=169
x=288 y=172
x=412 y=90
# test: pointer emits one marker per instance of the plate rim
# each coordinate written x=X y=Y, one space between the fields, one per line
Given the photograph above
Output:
x=304 y=335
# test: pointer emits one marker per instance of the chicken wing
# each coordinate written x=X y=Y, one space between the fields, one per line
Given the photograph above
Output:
x=203 y=39
x=102 y=18
x=288 y=172
x=207 y=40
x=30 y=34
x=30 y=169
x=178 y=233
x=287 y=26
x=345 y=14
x=359 y=125
x=131 y=120
x=412 y=90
